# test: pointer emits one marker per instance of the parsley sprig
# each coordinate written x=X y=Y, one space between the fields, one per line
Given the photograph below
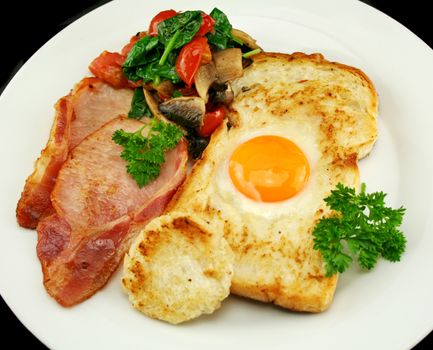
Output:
x=362 y=227
x=145 y=154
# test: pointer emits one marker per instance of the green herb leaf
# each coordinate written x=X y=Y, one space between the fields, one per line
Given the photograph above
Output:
x=145 y=154
x=140 y=52
x=154 y=72
x=139 y=106
x=169 y=47
x=362 y=227
x=222 y=35
x=145 y=51
x=186 y=24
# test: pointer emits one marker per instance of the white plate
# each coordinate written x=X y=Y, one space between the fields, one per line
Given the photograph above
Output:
x=388 y=308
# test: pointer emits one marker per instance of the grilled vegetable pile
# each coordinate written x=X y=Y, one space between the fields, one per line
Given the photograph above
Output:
x=181 y=70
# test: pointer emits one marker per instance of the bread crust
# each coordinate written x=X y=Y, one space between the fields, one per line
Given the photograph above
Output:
x=275 y=293
x=320 y=59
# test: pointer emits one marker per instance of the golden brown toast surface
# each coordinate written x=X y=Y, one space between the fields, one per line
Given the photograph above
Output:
x=329 y=110
x=177 y=269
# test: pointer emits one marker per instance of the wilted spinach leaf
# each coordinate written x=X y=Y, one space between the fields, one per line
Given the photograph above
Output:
x=155 y=71
x=139 y=106
x=186 y=23
x=142 y=52
x=222 y=36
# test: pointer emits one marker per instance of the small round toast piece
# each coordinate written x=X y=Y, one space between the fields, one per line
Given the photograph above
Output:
x=178 y=268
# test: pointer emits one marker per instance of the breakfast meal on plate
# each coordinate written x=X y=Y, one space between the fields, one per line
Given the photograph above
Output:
x=272 y=208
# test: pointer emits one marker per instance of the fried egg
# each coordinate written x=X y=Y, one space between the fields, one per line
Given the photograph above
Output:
x=268 y=172
x=270 y=179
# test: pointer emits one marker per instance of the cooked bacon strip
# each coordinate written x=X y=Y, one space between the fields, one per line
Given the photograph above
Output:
x=35 y=202
x=90 y=105
x=95 y=103
x=100 y=208
x=55 y=239
x=84 y=264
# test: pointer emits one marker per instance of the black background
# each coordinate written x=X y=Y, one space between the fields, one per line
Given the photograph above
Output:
x=31 y=24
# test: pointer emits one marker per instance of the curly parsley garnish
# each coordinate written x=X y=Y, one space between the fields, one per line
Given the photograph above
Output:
x=145 y=154
x=362 y=227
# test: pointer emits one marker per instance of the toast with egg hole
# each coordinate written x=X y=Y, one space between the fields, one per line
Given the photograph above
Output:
x=297 y=127
x=178 y=268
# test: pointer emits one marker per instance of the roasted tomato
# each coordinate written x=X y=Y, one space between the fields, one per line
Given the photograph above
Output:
x=108 y=67
x=211 y=121
x=160 y=17
x=206 y=25
x=190 y=58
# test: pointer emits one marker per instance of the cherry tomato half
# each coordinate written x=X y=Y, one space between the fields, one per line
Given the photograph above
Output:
x=189 y=59
x=128 y=47
x=211 y=121
x=206 y=25
x=108 y=67
x=160 y=17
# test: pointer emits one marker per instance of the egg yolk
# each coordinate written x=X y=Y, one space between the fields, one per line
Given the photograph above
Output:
x=269 y=168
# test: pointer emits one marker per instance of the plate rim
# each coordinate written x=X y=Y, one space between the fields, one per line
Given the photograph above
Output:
x=75 y=24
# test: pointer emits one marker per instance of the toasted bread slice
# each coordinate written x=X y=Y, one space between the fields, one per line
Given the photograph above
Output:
x=178 y=269
x=326 y=107
x=341 y=97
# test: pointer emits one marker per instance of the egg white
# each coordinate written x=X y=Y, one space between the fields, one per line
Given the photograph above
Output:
x=228 y=198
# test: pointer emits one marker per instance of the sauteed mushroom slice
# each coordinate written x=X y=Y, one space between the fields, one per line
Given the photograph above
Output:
x=204 y=78
x=165 y=88
x=185 y=111
x=153 y=105
x=222 y=94
x=246 y=39
x=228 y=64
